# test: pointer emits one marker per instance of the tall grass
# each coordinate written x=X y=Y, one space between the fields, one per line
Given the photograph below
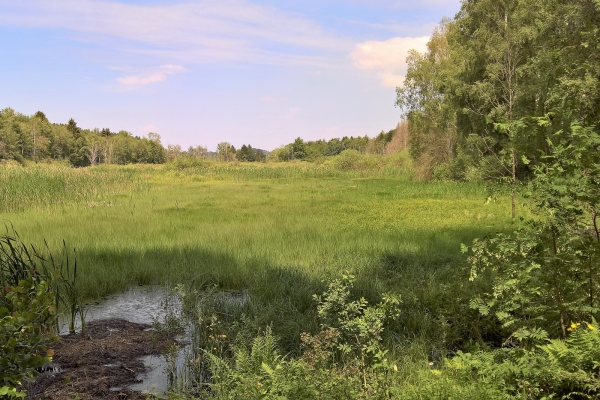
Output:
x=19 y=261
x=210 y=171
x=42 y=186
x=277 y=231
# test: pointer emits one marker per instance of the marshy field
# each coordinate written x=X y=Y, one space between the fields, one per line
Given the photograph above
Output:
x=281 y=233
x=262 y=228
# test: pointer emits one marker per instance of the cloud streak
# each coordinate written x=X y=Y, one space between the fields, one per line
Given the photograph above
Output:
x=202 y=31
x=388 y=57
x=151 y=76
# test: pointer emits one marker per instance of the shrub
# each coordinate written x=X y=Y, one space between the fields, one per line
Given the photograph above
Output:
x=32 y=287
x=184 y=162
x=27 y=318
x=353 y=160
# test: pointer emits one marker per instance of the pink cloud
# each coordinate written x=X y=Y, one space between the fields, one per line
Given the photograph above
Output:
x=149 y=128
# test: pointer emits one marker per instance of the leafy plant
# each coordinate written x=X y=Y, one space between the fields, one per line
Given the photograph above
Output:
x=17 y=260
x=546 y=272
x=34 y=287
x=27 y=319
x=360 y=326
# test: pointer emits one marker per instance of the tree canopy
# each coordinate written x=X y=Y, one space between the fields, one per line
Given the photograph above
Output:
x=34 y=138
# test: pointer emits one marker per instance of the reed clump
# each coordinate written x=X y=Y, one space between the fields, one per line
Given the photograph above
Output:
x=20 y=262
x=50 y=185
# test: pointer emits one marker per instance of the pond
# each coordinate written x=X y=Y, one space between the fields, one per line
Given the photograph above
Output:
x=146 y=305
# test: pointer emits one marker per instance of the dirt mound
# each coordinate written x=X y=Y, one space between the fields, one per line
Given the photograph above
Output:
x=101 y=363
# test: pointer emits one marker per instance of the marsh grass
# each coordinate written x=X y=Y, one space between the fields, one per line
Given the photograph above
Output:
x=209 y=171
x=278 y=231
x=48 y=186
x=19 y=261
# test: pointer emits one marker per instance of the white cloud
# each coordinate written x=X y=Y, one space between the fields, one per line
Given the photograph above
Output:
x=388 y=57
x=151 y=76
x=391 y=80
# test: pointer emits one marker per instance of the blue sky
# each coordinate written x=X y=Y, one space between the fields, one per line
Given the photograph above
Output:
x=201 y=72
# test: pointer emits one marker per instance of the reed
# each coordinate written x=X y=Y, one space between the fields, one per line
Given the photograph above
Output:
x=39 y=187
x=19 y=261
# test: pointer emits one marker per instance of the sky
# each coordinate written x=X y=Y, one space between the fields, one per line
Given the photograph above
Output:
x=258 y=72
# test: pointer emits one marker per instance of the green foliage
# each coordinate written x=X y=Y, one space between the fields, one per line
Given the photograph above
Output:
x=352 y=160
x=560 y=369
x=19 y=261
x=35 y=138
x=260 y=372
x=52 y=187
x=318 y=150
x=184 y=162
x=360 y=327
x=248 y=154
x=576 y=360
x=546 y=273
x=225 y=151
x=27 y=319
x=352 y=328
x=298 y=149
x=488 y=74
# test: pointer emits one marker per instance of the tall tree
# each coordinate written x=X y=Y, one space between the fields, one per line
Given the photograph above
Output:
x=298 y=149
x=426 y=101
x=226 y=151
x=74 y=129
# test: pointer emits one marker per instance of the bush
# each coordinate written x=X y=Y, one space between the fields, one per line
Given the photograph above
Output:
x=401 y=160
x=183 y=162
x=442 y=172
x=33 y=286
x=26 y=328
x=353 y=160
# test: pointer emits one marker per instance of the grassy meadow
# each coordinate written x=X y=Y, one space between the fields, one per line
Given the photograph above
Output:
x=276 y=231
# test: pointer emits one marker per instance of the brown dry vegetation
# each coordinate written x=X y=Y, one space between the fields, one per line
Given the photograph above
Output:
x=400 y=141
x=101 y=363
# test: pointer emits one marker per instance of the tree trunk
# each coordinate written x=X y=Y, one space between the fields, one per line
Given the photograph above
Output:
x=514 y=185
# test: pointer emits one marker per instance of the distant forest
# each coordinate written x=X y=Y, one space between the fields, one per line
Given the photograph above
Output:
x=34 y=138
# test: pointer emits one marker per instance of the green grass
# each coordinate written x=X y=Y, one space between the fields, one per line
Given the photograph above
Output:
x=48 y=186
x=277 y=231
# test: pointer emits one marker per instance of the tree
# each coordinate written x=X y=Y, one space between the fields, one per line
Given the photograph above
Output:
x=94 y=145
x=547 y=274
x=61 y=142
x=428 y=105
x=74 y=129
x=282 y=153
x=495 y=40
x=106 y=132
x=226 y=151
x=200 y=152
x=40 y=130
x=298 y=149
x=41 y=116
x=247 y=153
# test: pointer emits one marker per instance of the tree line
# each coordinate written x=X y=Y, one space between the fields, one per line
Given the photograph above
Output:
x=509 y=91
x=497 y=82
x=384 y=143
x=36 y=139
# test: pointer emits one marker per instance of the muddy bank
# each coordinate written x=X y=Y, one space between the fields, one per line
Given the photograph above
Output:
x=100 y=364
